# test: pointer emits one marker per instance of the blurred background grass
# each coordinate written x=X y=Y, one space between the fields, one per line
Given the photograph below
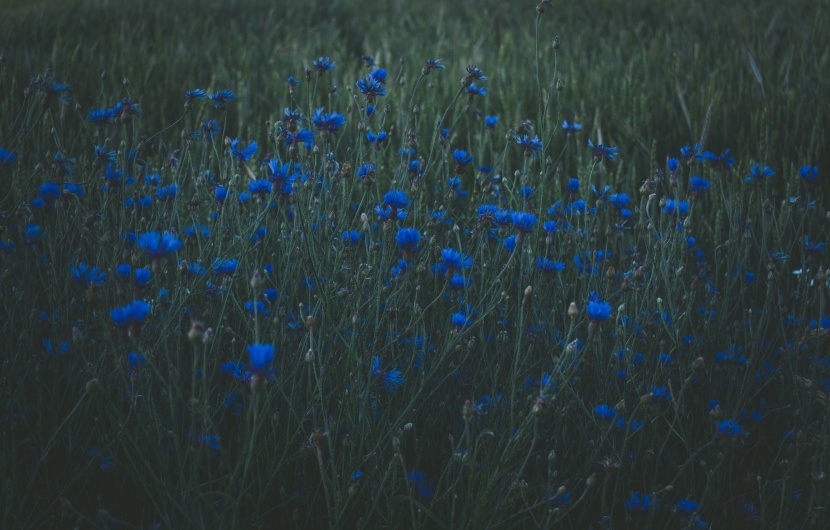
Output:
x=640 y=71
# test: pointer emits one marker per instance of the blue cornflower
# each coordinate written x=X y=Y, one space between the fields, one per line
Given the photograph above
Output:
x=261 y=187
x=673 y=164
x=573 y=186
x=619 y=200
x=167 y=193
x=391 y=379
x=462 y=159
x=491 y=121
x=368 y=60
x=421 y=485
x=49 y=192
x=432 y=64
x=220 y=194
x=550 y=227
x=730 y=430
x=351 y=237
x=721 y=163
x=523 y=221
x=292 y=83
x=386 y=214
x=757 y=173
x=602 y=194
x=605 y=412
x=807 y=173
x=379 y=75
x=376 y=139
x=301 y=137
x=571 y=128
x=242 y=155
x=8 y=158
x=292 y=117
x=408 y=239
x=473 y=91
x=548 y=266
x=530 y=145
x=261 y=356
x=220 y=99
x=196 y=229
x=474 y=72
x=131 y=316
x=209 y=130
x=366 y=171
x=60 y=351
x=641 y=503
x=458 y=282
x=370 y=88
x=688 y=153
x=677 y=208
x=225 y=267
x=100 y=117
x=455 y=260
x=600 y=151
x=814 y=248
x=126 y=108
x=598 y=310
x=89 y=276
x=397 y=199
x=686 y=506
x=510 y=244
x=193 y=95
x=158 y=246
x=460 y=320
x=322 y=65
x=698 y=185
x=329 y=123
x=102 y=155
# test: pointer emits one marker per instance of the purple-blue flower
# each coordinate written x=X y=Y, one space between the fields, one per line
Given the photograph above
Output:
x=220 y=99
x=158 y=245
x=601 y=151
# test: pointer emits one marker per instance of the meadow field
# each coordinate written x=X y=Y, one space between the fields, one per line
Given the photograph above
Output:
x=357 y=264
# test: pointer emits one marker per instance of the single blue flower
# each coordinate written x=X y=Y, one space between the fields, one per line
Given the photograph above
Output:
x=722 y=163
x=303 y=136
x=807 y=173
x=641 y=503
x=530 y=145
x=619 y=200
x=260 y=358
x=376 y=139
x=600 y=151
x=523 y=221
x=329 y=123
x=408 y=239
x=167 y=193
x=462 y=158
x=550 y=227
x=756 y=173
x=605 y=412
x=673 y=164
x=686 y=507
x=730 y=429
x=8 y=158
x=220 y=99
x=322 y=65
x=573 y=186
x=545 y=265
x=242 y=155
x=599 y=310
x=421 y=485
x=157 y=245
x=397 y=199
x=474 y=72
x=571 y=128
x=132 y=315
x=351 y=238
x=455 y=260
x=49 y=192
x=698 y=185
x=473 y=91
x=432 y=64
x=491 y=121
x=260 y=186
x=225 y=267
x=88 y=276
x=100 y=117
x=195 y=94
x=370 y=88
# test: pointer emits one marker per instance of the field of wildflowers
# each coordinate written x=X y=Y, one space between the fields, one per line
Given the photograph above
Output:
x=414 y=265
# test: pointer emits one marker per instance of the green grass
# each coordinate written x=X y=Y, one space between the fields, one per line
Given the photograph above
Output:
x=498 y=423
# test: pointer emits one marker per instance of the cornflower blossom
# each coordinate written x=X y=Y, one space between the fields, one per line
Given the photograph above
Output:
x=530 y=145
x=371 y=88
x=379 y=75
x=220 y=99
x=601 y=152
x=432 y=64
x=329 y=123
x=260 y=187
x=462 y=160
x=225 y=267
x=194 y=95
x=547 y=266
x=376 y=140
x=474 y=72
x=159 y=246
x=490 y=122
x=598 y=311
x=523 y=222
x=641 y=503
x=131 y=317
x=301 y=137
x=88 y=276
x=408 y=239
x=391 y=379
x=759 y=175
x=698 y=186
x=473 y=91
x=7 y=158
x=260 y=358
x=721 y=163
x=242 y=155
x=807 y=173
x=322 y=64
x=571 y=128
